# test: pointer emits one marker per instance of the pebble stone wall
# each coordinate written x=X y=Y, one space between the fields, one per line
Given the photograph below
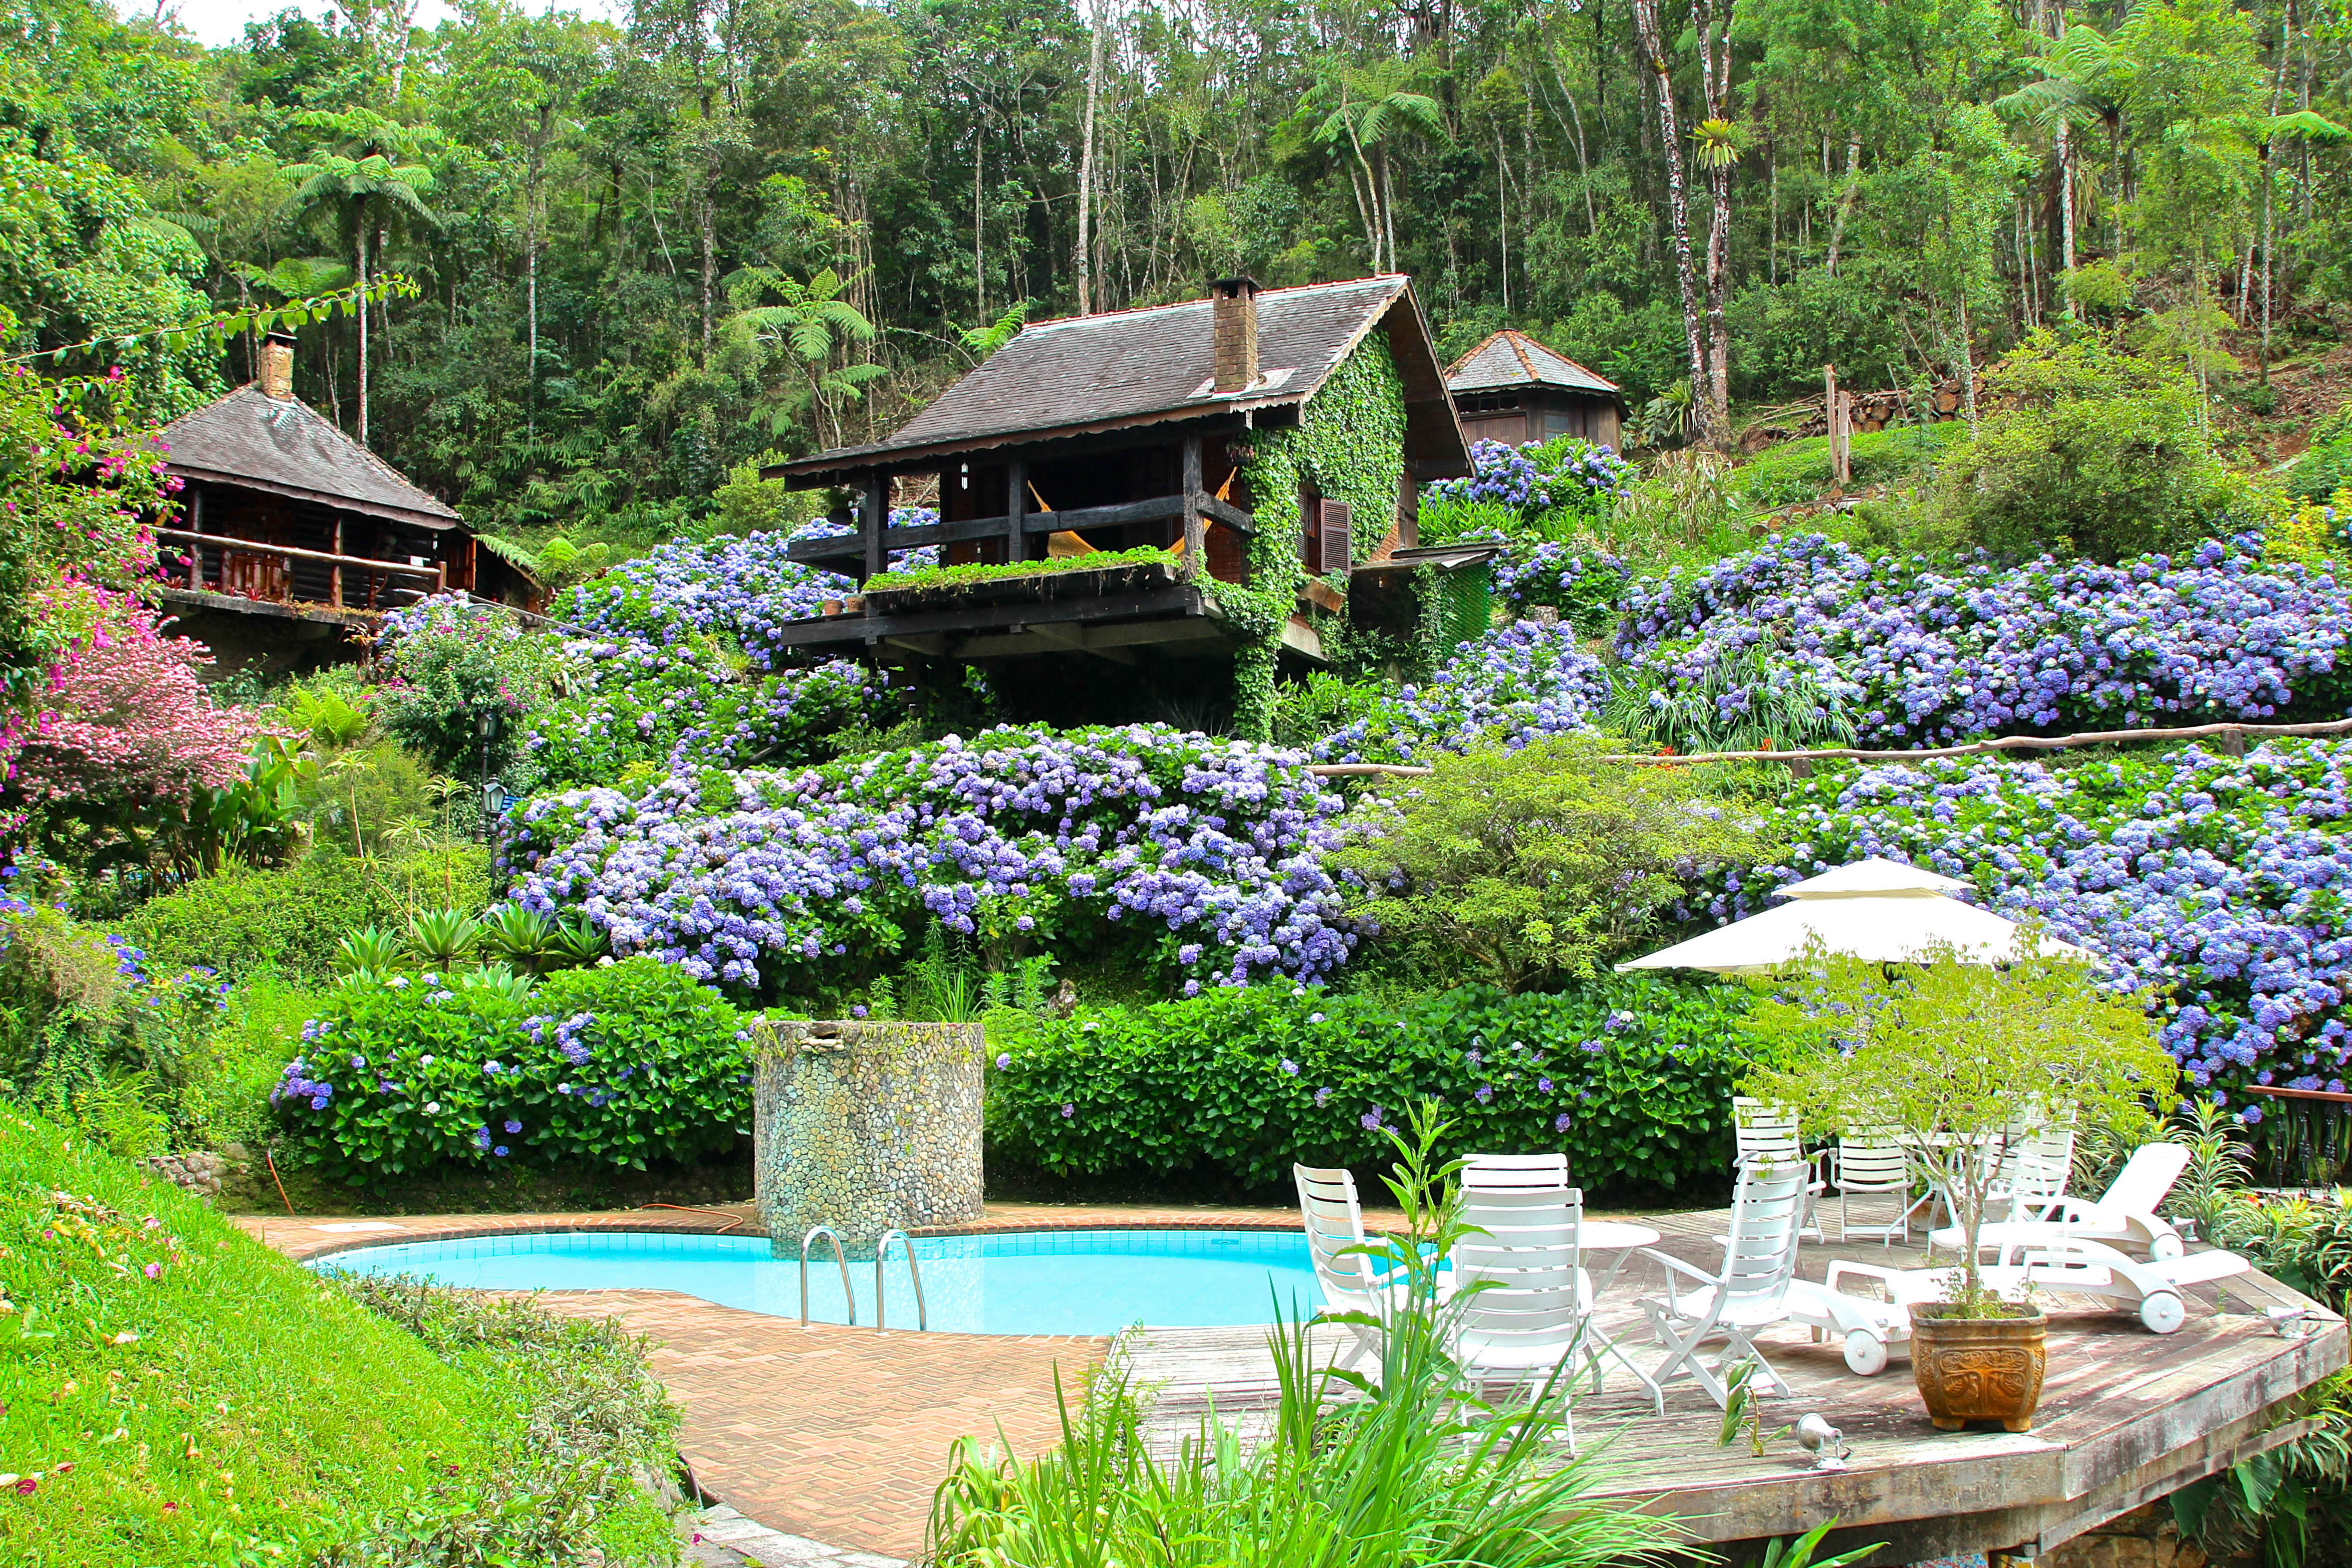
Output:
x=866 y=1127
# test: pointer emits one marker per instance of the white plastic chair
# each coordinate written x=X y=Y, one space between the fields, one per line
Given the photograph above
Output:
x=1760 y=1258
x=2124 y=1216
x=1767 y=1134
x=1522 y=1307
x=1335 y=1225
x=1870 y=1162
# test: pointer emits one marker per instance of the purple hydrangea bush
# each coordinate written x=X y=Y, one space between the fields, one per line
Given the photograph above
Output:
x=1562 y=474
x=1512 y=684
x=625 y=1064
x=2223 y=885
x=1198 y=856
x=1925 y=656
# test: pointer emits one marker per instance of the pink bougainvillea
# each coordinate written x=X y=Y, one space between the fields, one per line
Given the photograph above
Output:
x=127 y=719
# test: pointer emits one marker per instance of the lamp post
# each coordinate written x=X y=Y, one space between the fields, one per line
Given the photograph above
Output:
x=486 y=727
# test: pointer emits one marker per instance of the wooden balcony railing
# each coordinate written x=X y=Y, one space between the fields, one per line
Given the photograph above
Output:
x=435 y=577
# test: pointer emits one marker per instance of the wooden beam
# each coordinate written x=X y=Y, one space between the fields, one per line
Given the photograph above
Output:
x=1179 y=633
x=1229 y=514
x=871 y=518
x=1172 y=600
x=1016 y=506
x=1076 y=638
x=1196 y=537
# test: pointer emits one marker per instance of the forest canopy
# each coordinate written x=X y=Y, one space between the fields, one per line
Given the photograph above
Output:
x=647 y=255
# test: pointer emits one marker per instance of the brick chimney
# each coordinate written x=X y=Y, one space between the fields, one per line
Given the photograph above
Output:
x=276 y=377
x=1233 y=302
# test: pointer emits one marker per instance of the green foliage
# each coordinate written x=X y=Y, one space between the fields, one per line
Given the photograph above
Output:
x=2302 y=1242
x=619 y=1065
x=2100 y=453
x=2325 y=465
x=1630 y=1075
x=981 y=572
x=1781 y=705
x=206 y=1400
x=1415 y=1468
x=1519 y=867
x=1956 y=1055
x=455 y=666
x=1308 y=710
x=1349 y=446
x=244 y=918
x=1798 y=471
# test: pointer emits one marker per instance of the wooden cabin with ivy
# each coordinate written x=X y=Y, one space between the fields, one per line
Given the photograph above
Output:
x=291 y=536
x=1177 y=491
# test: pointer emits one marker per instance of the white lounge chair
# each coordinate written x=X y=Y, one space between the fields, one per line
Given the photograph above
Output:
x=1767 y=1134
x=1870 y=1164
x=2124 y=1216
x=1526 y=1238
x=1350 y=1281
x=1760 y=1259
x=2155 y=1289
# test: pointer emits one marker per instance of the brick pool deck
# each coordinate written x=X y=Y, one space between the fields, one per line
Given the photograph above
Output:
x=835 y=1434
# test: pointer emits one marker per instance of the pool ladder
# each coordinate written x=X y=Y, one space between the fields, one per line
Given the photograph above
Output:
x=881 y=1298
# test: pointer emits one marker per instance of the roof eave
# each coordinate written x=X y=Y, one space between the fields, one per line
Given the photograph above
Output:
x=437 y=520
x=819 y=466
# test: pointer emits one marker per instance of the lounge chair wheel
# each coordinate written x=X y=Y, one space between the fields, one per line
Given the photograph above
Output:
x=2165 y=1245
x=1865 y=1353
x=2162 y=1313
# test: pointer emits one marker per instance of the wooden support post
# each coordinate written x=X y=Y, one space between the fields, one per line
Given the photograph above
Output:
x=2234 y=741
x=335 y=573
x=1840 y=410
x=1016 y=510
x=1196 y=534
x=196 y=526
x=872 y=517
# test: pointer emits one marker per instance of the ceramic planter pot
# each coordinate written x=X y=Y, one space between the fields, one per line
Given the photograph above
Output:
x=1978 y=1369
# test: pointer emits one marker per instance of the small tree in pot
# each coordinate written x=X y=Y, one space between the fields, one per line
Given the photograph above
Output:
x=1955 y=1057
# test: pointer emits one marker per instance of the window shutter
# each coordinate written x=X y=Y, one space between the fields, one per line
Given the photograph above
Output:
x=1333 y=540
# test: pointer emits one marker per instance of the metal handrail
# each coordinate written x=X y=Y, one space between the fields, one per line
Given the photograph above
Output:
x=881 y=1313
x=840 y=1258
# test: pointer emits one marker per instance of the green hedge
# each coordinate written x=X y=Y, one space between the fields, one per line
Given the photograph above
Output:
x=1632 y=1077
x=174 y=1394
x=623 y=1065
x=246 y=918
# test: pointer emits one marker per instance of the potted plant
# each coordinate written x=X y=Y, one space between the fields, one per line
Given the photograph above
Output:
x=1955 y=1057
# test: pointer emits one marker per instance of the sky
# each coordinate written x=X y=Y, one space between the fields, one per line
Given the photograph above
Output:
x=220 y=22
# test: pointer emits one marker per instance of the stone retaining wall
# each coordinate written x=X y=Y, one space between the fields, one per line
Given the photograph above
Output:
x=866 y=1127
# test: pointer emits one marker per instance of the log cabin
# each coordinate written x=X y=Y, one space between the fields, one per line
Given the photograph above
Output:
x=1512 y=389
x=291 y=536
x=1256 y=435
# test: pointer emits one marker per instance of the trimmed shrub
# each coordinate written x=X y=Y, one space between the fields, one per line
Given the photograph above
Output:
x=244 y=918
x=1630 y=1076
x=623 y=1065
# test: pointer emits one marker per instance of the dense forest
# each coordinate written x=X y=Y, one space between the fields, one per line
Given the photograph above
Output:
x=634 y=260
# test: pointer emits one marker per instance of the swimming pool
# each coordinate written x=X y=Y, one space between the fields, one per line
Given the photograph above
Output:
x=1023 y=1282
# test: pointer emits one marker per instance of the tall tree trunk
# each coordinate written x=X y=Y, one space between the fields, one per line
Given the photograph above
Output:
x=1654 y=49
x=1503 y=218
x=1846 y=203
x=2066 y=137
x=1387 y=207
x=979 y=223
x=360 y=246
x=530 y=283
x=1086 y=167
x=1714 y=89
x=709 y=238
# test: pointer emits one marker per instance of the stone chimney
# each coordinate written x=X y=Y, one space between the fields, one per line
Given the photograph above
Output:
x=276 y=371
x=1233 y=302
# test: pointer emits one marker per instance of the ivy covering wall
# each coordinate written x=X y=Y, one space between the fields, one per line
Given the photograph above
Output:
x=1349 y=445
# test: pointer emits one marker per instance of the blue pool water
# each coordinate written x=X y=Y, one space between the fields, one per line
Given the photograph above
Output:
x=1028 y=1282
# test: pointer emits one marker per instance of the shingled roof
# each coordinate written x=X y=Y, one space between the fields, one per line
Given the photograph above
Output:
x=287 y=447
x=1087 y=373
x=1511 y=358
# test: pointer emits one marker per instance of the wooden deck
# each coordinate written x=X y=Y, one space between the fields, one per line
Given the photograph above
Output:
x=2125 y=1416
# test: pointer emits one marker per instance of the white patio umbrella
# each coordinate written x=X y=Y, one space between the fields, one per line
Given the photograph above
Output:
x=1874 y=909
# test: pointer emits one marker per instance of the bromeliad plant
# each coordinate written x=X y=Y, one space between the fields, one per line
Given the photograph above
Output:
x=1954 y=1055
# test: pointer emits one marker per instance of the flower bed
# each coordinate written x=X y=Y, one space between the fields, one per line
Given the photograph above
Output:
x=1537 y=488
x=1630 y=1075
x=1928 y=656
x=1198 y=856
x=1510 y=685
x=2220 y=884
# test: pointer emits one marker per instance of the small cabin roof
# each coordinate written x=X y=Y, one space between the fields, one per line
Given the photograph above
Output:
x=284 y=446
x=1510 y=359
x=1083 y=374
